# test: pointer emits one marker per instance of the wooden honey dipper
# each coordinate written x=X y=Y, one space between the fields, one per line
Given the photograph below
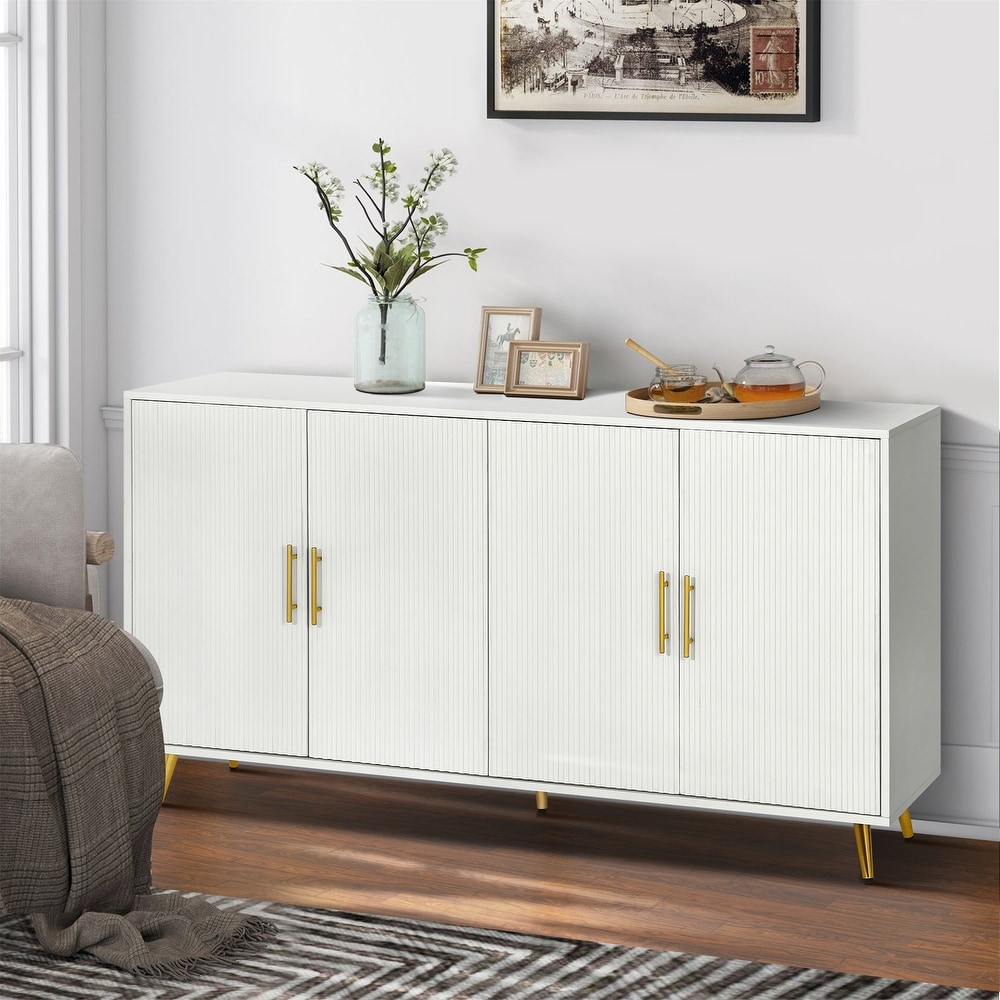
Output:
x=639 y=349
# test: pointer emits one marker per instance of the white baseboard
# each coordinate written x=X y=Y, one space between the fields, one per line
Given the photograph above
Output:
x=964 y=831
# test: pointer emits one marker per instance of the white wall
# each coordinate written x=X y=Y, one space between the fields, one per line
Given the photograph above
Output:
x=867 y=241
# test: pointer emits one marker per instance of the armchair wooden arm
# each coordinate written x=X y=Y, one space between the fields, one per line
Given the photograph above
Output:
x=100 y=548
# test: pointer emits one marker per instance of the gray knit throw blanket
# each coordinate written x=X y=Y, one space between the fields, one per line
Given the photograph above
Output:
x=81 y=779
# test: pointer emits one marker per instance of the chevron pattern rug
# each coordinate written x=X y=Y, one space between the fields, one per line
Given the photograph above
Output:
x=329 y=955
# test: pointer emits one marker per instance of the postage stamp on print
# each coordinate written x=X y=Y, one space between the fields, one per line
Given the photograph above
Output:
x=773 y=60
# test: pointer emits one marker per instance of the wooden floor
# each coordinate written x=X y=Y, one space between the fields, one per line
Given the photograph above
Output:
x=680 y=880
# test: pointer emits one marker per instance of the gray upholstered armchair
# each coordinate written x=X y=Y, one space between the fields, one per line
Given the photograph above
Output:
x=81 y=777
x=44 y=546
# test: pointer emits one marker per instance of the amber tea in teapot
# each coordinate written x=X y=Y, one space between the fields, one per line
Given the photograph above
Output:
x=758 y=393
x=771 y=376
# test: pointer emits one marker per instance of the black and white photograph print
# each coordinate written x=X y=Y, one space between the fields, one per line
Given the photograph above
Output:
x=500 y=326
x=736 y=60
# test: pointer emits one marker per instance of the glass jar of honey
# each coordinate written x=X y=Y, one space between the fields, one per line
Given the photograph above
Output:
x=677 y=384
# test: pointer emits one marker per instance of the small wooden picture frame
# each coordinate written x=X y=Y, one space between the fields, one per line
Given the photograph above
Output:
x=547 y=368
x=502 y=325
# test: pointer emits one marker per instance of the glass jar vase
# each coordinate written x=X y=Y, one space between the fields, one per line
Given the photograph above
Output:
x=389 y=348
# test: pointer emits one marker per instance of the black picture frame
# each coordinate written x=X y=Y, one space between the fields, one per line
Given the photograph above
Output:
x=633 y=60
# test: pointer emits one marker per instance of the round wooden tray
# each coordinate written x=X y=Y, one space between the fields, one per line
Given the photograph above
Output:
x=638 y=401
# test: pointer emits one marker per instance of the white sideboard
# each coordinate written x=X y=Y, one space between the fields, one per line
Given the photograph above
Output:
x=538 y=594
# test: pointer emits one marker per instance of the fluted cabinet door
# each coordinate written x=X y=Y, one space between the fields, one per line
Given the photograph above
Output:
x=218 y=493
x=582 y=522
x=780 y=695
x=397 y=514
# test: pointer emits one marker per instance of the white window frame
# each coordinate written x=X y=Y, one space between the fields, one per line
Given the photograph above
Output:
x=39 y=158
x=13 y=141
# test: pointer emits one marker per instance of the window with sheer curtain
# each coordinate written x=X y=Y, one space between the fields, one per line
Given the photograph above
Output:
x=13 y=206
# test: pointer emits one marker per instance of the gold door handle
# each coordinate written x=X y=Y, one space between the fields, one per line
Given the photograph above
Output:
x=290 y=605
x=314 y=606
x=688 y=638
x=664 y=634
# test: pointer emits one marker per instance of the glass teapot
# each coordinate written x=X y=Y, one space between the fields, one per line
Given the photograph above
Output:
x=770 y=376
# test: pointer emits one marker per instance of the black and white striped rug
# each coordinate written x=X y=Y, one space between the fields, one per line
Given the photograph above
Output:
x=329 y=955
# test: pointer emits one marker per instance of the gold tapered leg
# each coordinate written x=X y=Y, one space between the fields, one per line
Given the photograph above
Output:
x=169 y=763
x=541 y=802
x=233 y=764
x=863 y=836
x=906 y=825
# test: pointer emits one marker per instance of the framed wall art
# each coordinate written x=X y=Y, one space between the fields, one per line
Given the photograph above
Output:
x=500 y=327
x=708 y=60
x=547 y=368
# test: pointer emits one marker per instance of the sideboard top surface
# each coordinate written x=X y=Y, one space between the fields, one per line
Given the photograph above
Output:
x=454 y=399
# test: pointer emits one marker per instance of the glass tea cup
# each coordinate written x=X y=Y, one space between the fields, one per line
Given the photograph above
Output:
x=677 y=384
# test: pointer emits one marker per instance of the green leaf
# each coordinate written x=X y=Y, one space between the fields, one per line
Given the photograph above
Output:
x=395 y=274
x=348 y=270
x=424 y=268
